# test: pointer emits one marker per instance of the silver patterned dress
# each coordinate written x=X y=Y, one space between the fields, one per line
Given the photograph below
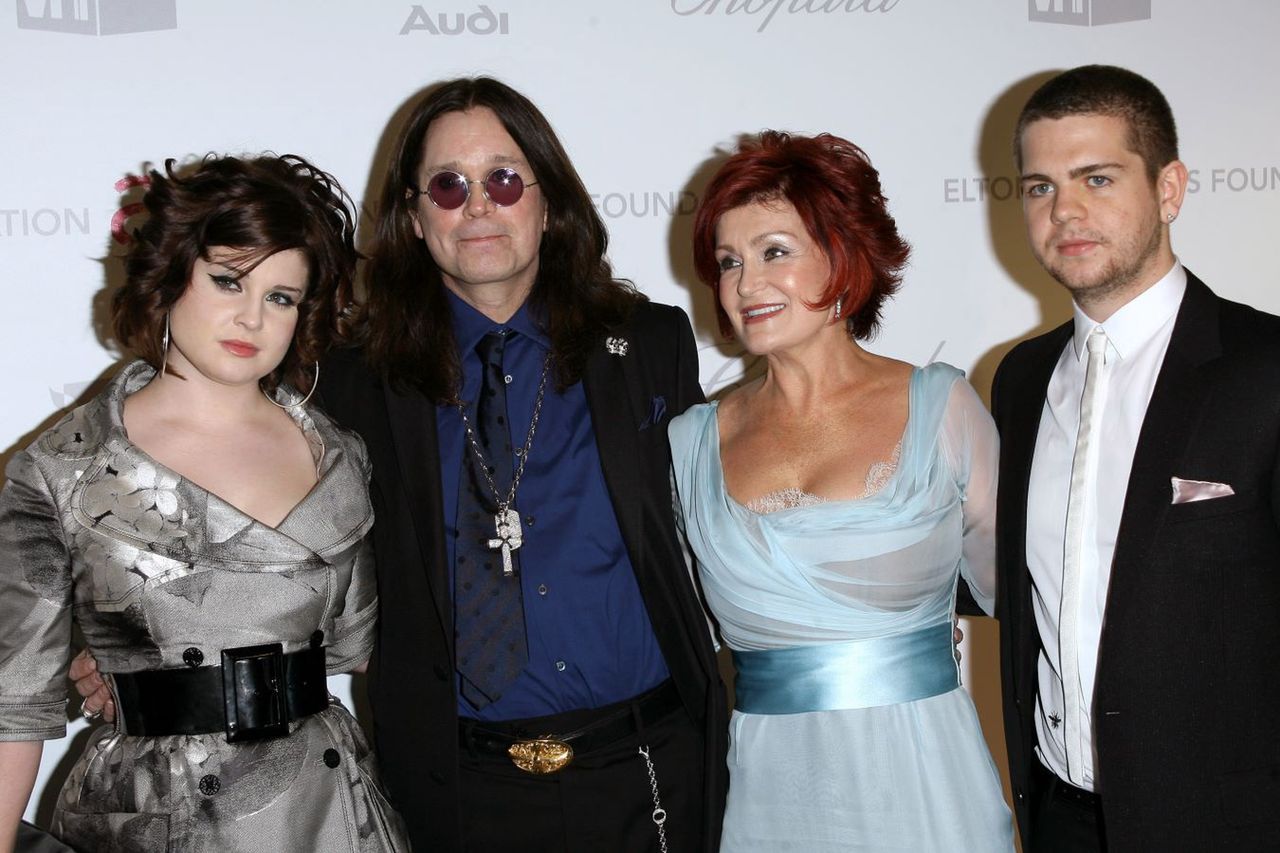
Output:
x=157 y=573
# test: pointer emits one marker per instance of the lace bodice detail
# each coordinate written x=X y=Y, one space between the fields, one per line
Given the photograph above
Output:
x=879 y=473
x=783 y=499
x=790 y=498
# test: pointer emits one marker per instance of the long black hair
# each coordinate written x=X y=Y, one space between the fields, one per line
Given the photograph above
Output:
x=406 y=328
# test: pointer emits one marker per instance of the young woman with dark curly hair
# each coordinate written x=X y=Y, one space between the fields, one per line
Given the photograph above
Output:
x=204 y=528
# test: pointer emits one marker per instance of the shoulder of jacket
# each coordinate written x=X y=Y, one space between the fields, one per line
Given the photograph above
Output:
x=656 y=316
x=1244 y=326
x=1035 y=346
x=78 y=435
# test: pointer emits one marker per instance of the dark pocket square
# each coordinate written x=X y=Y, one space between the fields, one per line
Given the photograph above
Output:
x=657 y=411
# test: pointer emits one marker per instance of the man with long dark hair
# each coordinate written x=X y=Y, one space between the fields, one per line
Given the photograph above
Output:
x=544 y=678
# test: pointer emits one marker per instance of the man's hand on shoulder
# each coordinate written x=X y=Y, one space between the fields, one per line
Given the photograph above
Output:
x=89 y=684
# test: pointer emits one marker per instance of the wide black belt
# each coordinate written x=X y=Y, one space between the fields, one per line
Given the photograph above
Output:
x=531 y=748
x=254 y=694
x=1066 y=792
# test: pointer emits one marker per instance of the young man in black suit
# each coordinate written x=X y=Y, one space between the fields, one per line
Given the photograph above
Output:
x=1139 y=507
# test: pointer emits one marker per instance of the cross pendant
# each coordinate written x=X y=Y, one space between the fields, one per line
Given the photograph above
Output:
x=510 y=537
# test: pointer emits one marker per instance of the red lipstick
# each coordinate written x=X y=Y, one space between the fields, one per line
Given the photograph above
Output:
x=760 y=313
x=242 y=349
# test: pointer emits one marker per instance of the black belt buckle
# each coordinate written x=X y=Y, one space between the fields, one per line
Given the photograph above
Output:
x=253 y=692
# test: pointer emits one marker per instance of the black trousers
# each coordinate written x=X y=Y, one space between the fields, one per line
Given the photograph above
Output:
x=603 y=802
x=1063 y=820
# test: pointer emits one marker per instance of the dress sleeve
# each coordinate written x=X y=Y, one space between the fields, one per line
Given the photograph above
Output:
x=35 y=607
x=691 y=561
x=354 y=628
x=973 y=450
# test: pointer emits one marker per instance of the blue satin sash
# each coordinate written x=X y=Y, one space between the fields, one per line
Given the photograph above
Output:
x=843 y=676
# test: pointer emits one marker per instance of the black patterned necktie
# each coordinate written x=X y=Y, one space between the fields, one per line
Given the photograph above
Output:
x=488 y=606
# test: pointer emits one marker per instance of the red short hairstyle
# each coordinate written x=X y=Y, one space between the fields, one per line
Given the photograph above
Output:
x=836 y=192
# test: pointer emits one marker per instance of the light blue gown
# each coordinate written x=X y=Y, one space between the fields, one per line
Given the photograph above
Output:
x=850 y=732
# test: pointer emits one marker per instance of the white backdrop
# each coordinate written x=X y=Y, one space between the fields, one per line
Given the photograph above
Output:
x=643 y=93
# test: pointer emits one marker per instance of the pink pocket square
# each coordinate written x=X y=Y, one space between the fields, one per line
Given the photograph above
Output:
x=1188 y=491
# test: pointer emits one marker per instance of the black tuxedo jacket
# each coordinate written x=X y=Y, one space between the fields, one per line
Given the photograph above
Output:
x=1187 y=695
x=411 y=675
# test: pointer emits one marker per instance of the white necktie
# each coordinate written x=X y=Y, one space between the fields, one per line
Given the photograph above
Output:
x=1078 y=499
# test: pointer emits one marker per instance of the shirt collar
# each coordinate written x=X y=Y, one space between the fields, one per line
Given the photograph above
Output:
x=1138 y=320
x=469 y=325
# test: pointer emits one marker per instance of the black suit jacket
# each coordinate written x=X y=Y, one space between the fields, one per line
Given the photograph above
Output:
x=1187 y=695
x=411 y=676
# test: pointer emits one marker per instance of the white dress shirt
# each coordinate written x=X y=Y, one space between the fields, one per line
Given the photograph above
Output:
x=1138 y=336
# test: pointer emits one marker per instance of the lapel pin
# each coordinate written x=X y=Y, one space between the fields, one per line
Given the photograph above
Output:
x=616 y=346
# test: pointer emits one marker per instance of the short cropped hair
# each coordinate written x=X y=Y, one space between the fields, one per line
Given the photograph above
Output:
x=259 y=206
x=1108 y=90
x=836 y=191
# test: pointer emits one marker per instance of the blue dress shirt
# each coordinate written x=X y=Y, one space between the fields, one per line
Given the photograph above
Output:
x=589 y=636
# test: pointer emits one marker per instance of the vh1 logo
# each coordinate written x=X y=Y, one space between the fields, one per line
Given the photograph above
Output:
x=1089 y=13
x=98 y=17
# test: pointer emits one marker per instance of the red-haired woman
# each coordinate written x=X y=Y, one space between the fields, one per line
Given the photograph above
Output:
x=205 y=530
x=832 y=504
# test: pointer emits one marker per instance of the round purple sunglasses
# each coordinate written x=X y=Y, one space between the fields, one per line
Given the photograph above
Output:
x=450 y=190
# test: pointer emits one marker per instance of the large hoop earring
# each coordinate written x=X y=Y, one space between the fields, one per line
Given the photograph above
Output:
x=314 y=385
x=164 y=345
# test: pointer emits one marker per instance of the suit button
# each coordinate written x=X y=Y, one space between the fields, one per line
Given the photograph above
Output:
x=441 y=671
x=331 y=758
x=192 y=656
x=437 y=777
x=209 y=785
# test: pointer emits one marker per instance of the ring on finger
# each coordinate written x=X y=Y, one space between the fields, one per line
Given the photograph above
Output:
x=87 y=714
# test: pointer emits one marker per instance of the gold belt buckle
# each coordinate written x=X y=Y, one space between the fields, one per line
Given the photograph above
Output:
x=541 y=755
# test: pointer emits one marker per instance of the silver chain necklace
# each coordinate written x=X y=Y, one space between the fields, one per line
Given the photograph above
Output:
x=510 y=533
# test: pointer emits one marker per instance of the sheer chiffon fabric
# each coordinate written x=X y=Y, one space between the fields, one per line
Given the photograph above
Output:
x=913 y=775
